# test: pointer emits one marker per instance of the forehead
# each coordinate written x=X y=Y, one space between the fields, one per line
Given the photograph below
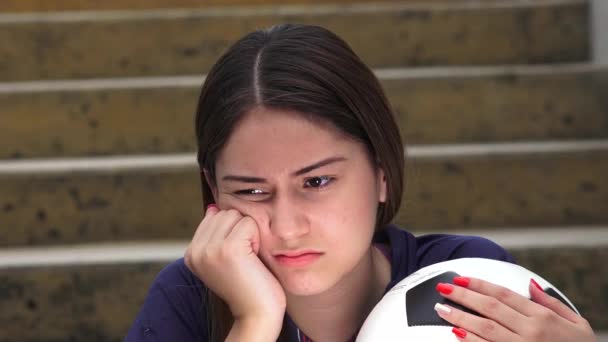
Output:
x=269 y=141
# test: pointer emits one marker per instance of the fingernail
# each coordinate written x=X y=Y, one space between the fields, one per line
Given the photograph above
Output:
x=444 y=309
x=461 y=333
x=533 y=282
x=462 y=281
x=445 y=288
x=212 y=205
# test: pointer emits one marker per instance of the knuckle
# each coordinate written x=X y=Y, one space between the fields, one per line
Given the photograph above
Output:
x=586 y=326
x=458 y=318
x=504 y=295
x=210 y=253
x=491 y=305
x=188 y=258
x=537 y=333
x=488 y=328
x=547 y=316
x=247 y=220
x=189 y=255
x=192 y=259
x=537 y=330
x=226 y=252
x=233 y=214
x=585 y=323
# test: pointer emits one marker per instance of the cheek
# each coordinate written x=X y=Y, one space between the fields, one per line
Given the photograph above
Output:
x=360 y=201
x=251 y=209
x=345 y=214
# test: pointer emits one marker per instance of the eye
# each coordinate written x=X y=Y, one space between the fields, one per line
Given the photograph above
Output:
x=318 y=182
x=250 y=192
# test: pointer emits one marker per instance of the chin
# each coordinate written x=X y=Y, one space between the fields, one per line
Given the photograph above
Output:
x=303 y=285
x=306 y=284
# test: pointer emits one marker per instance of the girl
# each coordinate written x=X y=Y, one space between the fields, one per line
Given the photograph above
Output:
x=301 y=167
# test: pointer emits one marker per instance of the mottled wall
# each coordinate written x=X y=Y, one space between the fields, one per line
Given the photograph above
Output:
x=599 y=17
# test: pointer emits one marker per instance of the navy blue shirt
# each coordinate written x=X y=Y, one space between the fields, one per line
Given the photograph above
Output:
x=174 y=309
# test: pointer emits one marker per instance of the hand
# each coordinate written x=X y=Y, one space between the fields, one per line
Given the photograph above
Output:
x=510 y=316
x=224 y=255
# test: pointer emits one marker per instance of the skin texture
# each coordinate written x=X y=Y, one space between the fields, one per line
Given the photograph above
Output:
x=511 y=317
x=328 y=209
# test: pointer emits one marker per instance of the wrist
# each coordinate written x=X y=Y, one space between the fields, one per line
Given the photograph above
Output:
x=255 y=330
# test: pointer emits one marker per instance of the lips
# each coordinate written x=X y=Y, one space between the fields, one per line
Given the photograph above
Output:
x=297 y=259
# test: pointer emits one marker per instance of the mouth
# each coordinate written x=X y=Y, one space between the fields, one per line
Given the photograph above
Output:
x=297 y=259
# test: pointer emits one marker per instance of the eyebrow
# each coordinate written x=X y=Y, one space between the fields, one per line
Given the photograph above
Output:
x=304 y=170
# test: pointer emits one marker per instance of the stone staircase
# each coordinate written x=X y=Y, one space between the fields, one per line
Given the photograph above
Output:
x=504 y=115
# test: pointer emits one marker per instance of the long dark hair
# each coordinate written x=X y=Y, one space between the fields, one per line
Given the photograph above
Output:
x=305 y=69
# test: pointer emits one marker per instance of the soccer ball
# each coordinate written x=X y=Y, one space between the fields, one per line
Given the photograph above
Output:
x=406 y=312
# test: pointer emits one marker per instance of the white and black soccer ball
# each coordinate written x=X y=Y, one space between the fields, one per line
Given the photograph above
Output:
x=406 y=312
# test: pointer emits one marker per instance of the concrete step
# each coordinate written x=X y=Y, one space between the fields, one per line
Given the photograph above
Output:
x=447 y=187
x=534 y=184
x=92 y=293
x=18 y=6
x=185 y=41
x=433 y=105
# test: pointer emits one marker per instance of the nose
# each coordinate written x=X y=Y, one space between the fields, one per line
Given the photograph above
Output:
x=288 y=219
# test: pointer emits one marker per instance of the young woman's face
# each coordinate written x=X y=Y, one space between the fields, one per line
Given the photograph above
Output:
x=313 y=192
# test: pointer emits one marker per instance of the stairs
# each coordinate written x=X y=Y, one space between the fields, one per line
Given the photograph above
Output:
x=504 y=116
x=169 y=41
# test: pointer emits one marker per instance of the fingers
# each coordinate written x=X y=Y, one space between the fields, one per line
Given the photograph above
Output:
x=477 y=328
x=508 y=316
x=518 y=302
x=209 y=213
x=200 y=234
x=210 y=234
x=511 y=299
x=218 y=225
x=221 y=255
x=468 y=336
x=246 y=232
x=488 y=306
x=552 y=303
x=221 y=225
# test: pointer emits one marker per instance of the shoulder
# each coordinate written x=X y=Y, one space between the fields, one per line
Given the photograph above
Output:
x=435 y=248
x=174 y=306
x=177 y=274
x=409 y=253
x=177 y=281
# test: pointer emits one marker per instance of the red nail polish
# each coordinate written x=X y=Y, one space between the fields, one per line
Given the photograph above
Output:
x=445 y=288
x=461 y=333
x=462 y=281
x=536 y=285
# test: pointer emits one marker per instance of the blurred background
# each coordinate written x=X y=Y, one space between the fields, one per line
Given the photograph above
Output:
x=503 y=106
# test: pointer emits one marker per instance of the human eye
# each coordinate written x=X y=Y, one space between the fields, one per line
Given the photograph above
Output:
x=318 y=182
x=250 y=192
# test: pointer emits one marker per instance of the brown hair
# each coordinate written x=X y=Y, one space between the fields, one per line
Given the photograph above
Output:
x=305 y=69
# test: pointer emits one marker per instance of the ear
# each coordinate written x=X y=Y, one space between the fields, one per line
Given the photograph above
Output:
x=382 y=193
x=211 y=184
